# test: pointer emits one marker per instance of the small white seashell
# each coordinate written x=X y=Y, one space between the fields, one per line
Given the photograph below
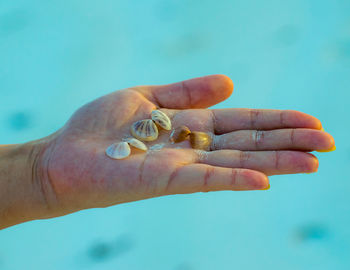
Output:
x=118 y=150
x=157 y=146
x=136 y=143
x=144 y=130
x=161 y=119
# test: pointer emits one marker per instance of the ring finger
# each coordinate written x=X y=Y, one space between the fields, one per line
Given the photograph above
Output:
x=268 y=162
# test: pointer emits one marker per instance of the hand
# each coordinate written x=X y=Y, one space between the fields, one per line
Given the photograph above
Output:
x=249 y=145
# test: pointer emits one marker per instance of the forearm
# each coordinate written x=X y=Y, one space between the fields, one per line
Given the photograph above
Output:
x=21 y=195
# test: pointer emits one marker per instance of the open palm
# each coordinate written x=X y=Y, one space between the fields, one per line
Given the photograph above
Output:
x=248 y=145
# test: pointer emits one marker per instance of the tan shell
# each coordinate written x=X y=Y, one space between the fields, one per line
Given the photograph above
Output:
x=136 y=143
x=118 y=150
x=144 y=130
x=180 y=134
x=161 y=119
x=200 y=140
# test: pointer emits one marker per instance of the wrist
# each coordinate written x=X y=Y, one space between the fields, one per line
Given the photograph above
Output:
x=22 y=195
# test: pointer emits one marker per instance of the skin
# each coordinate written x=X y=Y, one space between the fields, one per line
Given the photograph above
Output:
x=69 y=171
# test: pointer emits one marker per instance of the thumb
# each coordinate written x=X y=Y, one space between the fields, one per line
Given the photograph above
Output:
x=195 y=93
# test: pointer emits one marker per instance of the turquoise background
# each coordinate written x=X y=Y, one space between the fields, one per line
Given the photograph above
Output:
x=57 y=55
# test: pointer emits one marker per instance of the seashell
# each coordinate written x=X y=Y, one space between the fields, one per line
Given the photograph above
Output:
x=118 y=150
x=144 y=130
x=179 y=134
x=157 y=146
x=161 y=119
x=136 y=143
x=200 y=140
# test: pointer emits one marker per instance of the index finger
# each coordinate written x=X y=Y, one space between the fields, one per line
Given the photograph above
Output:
x=228 y=120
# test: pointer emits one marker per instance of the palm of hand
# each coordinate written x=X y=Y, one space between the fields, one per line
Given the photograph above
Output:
x=76 y=173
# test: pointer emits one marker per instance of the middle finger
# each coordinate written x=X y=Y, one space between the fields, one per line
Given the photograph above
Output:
x=279 y=139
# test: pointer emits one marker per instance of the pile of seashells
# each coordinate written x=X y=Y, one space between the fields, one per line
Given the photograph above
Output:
x=147 y=130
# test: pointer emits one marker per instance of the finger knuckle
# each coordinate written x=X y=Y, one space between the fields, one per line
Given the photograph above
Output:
x=254 y=117
x=243 y=159
x=258 y=138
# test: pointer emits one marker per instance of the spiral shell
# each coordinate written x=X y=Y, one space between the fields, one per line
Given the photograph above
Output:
x=118 y=150
x=136 y=143
x=200 y=140
x=144 y=130
x=179 y=134
x=161 y=119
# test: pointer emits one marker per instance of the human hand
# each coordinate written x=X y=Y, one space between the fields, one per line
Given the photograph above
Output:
x=74 y=172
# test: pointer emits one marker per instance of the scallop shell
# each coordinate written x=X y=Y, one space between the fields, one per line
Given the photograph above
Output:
x=118 y=150
x=179 y=134
x=200 y=140
x=144 y=130
x=136 y=143
x=161 y=119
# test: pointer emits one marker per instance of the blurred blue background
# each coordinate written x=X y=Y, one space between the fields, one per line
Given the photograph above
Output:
x=57 y=55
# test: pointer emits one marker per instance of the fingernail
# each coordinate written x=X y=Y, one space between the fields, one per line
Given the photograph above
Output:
x=328 y=150
x=267 y=188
